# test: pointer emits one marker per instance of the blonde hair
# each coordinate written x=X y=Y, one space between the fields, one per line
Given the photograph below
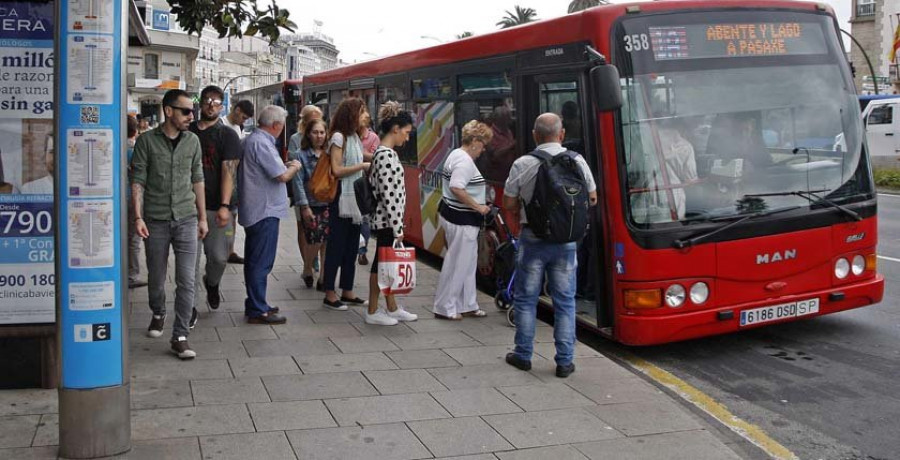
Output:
x=389 y=109
x=307 y=114
x=476 y=131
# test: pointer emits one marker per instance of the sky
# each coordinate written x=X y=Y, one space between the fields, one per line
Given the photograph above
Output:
x=364 y=30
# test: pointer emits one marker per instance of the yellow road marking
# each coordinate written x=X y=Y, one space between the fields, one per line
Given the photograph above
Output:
x=712 y=407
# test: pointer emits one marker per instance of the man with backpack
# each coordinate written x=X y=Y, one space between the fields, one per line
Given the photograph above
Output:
x=550 y=192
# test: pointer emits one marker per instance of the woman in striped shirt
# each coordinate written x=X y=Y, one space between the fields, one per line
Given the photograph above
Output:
x=462 y=213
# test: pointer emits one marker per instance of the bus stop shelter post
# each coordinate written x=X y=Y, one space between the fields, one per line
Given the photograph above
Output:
x=90 y=213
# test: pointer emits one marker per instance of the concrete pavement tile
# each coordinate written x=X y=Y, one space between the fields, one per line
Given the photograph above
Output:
x=541 y=453
x=219 y=350
x=267 y=365
x=494 y=334
x=164 y=449
x=615 y=391
x=478 y=401
x=471 y=356
x=364 y=344
x=138 y=336
x=47 y=431
x=421 y=359
x=228 y=391
x=315 y=331
x=481 y=376
x=428 y=324
x=378 y=442
x=548 y=350
x=18 y=430
x=236 y=334
x=273 y=294
x=458 y=436
x=640 y=418
x=231 y=308
x=537 y=429
x=545 y=396
x=30 y=401
x=318 y=386
x=433 y=340
x=156 y=394
x=400 y=330
x=688 y=445
x=303 y=347
x=290 y=415
x=33 y=453
x=175 y=369
x=471 y=457
x=212 y=319
x=305 y=294
x=270 y=446
x=190 y=421
x=344 y=363
x=403 y=381
x=323 y=316
x=294 y=317
x=587 y=370
x=385 y=409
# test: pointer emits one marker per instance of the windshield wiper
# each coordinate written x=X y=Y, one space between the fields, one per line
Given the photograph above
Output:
x=741 y=218
x=809 y=195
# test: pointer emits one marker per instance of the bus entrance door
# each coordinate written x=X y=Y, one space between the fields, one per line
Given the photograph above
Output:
x=564 y=94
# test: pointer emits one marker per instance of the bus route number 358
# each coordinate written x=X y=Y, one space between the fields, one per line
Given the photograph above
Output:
x=637 y=42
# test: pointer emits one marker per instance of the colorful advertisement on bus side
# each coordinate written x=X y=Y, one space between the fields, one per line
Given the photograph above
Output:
x=27 y=279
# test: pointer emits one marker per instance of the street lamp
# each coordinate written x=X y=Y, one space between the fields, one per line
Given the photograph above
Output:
x=225 y=88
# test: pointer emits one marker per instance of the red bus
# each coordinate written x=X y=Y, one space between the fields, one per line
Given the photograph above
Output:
x=725 y=201
x=286 y=94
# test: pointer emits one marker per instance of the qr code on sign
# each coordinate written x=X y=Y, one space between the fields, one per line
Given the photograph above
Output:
x=90 y=115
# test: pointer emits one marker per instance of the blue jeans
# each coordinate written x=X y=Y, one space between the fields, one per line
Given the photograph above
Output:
x=260 y=247
x=558 y=260
x=366 y=232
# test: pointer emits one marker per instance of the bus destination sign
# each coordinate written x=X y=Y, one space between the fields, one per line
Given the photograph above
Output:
x=699 y=41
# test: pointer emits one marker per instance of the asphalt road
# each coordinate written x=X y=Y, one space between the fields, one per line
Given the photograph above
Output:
x=825 y=388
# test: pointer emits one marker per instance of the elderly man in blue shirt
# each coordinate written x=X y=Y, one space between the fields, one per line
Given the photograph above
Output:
x=261 y=178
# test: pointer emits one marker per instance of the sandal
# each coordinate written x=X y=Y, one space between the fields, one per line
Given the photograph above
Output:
x=475 y=314
x=449 y=318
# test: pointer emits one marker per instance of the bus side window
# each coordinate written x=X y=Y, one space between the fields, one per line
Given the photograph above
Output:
x=487 y=97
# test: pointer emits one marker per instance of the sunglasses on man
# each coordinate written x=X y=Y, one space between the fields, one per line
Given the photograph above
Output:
x=184 y=110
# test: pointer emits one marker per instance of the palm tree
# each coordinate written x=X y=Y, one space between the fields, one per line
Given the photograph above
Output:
x=521 y=16
x=463 y=35
x=578 y=5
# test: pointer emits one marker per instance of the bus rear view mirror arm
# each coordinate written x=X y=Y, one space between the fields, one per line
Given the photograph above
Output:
x=606 y=87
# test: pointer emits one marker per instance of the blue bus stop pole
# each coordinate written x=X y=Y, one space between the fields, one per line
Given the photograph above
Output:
x=91 y=209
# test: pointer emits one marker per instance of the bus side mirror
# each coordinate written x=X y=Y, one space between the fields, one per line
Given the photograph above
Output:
x=606 y=88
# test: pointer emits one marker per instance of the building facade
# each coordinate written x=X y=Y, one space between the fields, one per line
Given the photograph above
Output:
x=872 y=24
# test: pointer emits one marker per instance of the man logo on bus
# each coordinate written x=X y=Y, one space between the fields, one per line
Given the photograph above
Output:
x=776 y=257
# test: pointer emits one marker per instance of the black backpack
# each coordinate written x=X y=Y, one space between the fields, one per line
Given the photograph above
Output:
x=558 y=210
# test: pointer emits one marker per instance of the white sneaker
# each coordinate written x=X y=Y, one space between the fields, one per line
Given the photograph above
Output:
x=380 y=318
x=402 y=315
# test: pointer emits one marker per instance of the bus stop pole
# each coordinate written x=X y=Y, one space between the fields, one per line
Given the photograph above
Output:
x=91 y=42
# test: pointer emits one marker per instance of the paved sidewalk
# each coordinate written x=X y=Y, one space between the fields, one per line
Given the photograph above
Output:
x=328 y=386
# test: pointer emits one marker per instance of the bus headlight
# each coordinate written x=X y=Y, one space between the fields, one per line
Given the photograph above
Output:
x=699 y=293
x=841 y=268
x=859 y=265
x=675 y=295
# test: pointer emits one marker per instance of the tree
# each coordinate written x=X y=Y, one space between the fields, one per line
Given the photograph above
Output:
x=578 y=5
x=465 y=34
x=232 y=18
x=521 y=16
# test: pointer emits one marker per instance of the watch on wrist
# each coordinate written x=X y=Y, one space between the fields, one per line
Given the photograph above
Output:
x=225 y=205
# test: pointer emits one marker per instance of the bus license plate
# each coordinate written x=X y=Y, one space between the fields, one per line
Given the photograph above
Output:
x=776 y=312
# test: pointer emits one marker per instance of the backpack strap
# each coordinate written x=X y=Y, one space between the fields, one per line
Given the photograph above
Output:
x=541 y=155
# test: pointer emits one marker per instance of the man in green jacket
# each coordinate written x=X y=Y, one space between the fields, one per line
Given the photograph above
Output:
x=170 y=209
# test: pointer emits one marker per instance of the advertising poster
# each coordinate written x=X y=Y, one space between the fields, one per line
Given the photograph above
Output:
x=27 y=280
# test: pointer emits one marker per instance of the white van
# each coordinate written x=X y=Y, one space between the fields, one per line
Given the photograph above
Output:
x=882 y=120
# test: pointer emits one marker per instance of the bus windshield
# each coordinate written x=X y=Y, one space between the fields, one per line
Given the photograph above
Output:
x=729 y=113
